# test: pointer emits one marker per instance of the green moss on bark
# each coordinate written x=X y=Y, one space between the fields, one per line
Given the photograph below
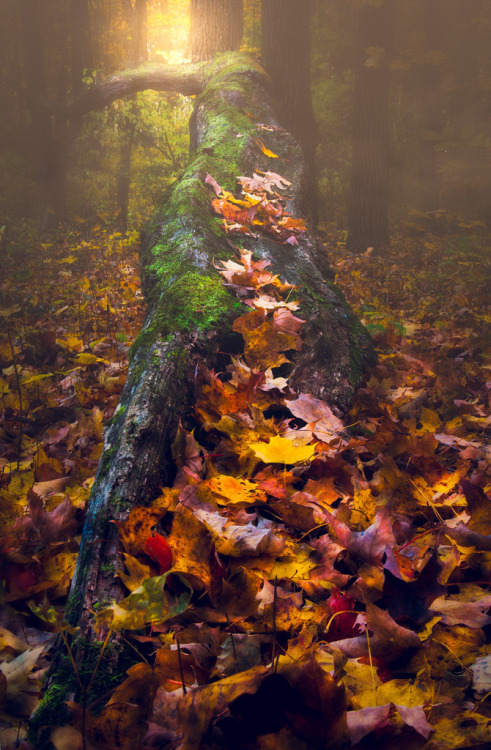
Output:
x=103 y=674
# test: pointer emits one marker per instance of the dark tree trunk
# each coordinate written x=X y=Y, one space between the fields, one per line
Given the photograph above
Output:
x=432 y=106
x=137 y=54
x=189 y=319
x=368 y=209
x=127 y=137
x=285 y=49
x=49 y=151
x=216 y=26
x=81 y=43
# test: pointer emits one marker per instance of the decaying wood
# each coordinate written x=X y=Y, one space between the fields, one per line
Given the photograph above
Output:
x=190 y=316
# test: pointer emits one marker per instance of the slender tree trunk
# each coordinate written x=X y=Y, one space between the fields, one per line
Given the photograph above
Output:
x=432 y=106
x=368 y=209
x=189 y=319
x=81 y=43
x=137 y=23
x=216 y=26
x=48 y=153
x=285 y=49
x=127 y=136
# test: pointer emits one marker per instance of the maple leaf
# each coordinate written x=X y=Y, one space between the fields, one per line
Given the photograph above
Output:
x=227 y=490
x=478 y=503
x=411 y=599
x=137 y=528
x=271 y=382
x=190 y=715
x=320 y=419
x=369 y=545
x=240 y=540
x=264 y=182
x=366 y=720
x=17 y=690
x=280 y=450
x=267 y=302
x=137 y=572
x=471 y=609
x=285 y=322
x=191 y=545
x=264 y=341
x=60 y=523
x=388 y=639
x=275 y=484
x=325 y=571
x=152 y=602
x=370 y=718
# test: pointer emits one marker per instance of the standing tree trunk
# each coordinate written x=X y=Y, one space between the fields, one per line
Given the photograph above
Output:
x=48 y=153
x=136 y=16
x=81 y=43
x=432 y=105
x=285 y=49
x=189 y=319
x=368 y=209
x=216 y=26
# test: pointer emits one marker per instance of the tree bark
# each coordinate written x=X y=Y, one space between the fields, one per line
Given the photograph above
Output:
x=216 y=26
x=368 y=209
x=137 y=55
x=189 y=319
x=183 y=79
x=285 y=51
x=81 y=43
x=432 y=106
x=49 y=151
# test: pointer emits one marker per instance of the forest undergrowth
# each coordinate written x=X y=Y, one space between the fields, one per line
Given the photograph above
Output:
x=307 y=582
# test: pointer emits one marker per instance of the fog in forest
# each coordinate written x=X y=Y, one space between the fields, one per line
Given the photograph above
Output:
x=400 y=90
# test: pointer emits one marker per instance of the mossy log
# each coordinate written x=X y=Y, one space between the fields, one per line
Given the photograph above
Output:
x=190 y=317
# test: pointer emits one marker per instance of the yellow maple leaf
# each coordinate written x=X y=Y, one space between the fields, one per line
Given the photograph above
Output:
x=228 y=490
x=282 y=451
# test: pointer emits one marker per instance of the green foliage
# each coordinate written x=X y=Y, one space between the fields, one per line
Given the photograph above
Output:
x=160 y=145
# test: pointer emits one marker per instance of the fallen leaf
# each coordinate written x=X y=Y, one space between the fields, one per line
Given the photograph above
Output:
x=282 y=451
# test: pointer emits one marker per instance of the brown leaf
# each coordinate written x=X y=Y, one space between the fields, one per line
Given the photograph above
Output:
x=60 y=523
x=319 y=417
x=319 y=712
x=387 y=639
x=264 y=342
x=190 y=715
x=364 y=721
x=191 y=546
x=369 y=545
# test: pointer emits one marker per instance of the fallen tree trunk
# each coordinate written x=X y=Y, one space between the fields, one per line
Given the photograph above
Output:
x=190 y=317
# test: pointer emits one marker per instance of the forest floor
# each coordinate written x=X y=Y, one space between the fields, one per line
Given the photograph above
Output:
x=391 y=607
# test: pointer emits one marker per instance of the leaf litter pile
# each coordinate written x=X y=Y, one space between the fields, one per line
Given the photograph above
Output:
x=307 y=582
